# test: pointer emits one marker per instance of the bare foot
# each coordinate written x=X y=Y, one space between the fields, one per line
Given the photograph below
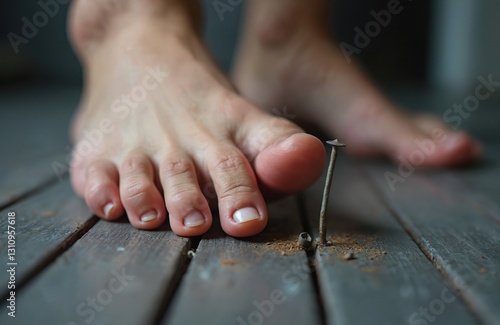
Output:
x=287 y=58
x=160 y=128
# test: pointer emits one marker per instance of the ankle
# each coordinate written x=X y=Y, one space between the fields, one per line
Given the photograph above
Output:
x=93 y=23
x=277 y=23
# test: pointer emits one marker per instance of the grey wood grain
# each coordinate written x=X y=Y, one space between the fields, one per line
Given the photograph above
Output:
x=263 y=280
x=34 y=125
x=115 y=274
x=389 y=281
x=476 y=185
x=461 y=239
x=24 y=178
x=45 y=224
x=35 y=119
x=479 y=184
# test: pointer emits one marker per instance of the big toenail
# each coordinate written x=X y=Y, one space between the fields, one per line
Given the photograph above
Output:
x=194 y=219
x=149 y=216
x=245 y=215
x=107 y=208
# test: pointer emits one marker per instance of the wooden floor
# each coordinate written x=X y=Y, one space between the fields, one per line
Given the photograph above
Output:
x=426 y=251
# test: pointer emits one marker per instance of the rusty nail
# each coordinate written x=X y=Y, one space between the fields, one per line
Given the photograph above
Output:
x=305 y=240
x=349 y=256
x=326 y=192
x=191 y=253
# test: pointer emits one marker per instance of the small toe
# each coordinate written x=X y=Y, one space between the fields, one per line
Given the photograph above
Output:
x=140 y=196
x=101 y=190
x=242 y=208
x=188 y=209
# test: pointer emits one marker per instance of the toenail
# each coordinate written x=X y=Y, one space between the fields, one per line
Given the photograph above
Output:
x=107 y=208
x=194 y=219
x=149 y=216
x=245 y=215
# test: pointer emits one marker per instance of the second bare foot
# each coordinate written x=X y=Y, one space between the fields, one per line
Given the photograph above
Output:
x=288 y=59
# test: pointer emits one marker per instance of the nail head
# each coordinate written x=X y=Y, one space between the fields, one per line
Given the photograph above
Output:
x=335 y=143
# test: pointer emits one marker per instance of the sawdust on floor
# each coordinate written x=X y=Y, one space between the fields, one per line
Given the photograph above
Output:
x=227 y=262
x=46 y=213
x=350 y=247
x=284 y=246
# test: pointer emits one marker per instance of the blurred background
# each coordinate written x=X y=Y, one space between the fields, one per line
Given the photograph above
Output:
x=442 y=45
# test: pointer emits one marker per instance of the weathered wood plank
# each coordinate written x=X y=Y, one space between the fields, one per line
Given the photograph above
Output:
x=23 y=178
x=34 y=133
x=115 y=274
x=35 y=120
x=479 y=184
x=476 y=185
x=28 y=108
x=462 y=240
x=389 y=281
x=45 y=224
x=265 y=279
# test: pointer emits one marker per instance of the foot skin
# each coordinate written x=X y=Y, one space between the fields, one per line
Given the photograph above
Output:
x=160 y=129
x=282 y=62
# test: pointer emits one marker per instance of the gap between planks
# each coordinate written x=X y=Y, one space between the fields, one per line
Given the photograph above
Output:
x=32 y=226
x=463 y=277
x=368 y=288
x=228 y=275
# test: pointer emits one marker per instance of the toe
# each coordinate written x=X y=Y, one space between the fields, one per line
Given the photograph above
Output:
x=242 y=208
x=286 y=160
x=188 y=209
x=455 y=147
x=139 y=194
x=384 y=129
x=101 y=190
x=291 y=164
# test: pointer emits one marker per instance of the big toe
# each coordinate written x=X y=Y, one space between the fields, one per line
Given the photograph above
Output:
x=286 y=159
x=453 y=148
x=427 y=142
x=290 y=165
